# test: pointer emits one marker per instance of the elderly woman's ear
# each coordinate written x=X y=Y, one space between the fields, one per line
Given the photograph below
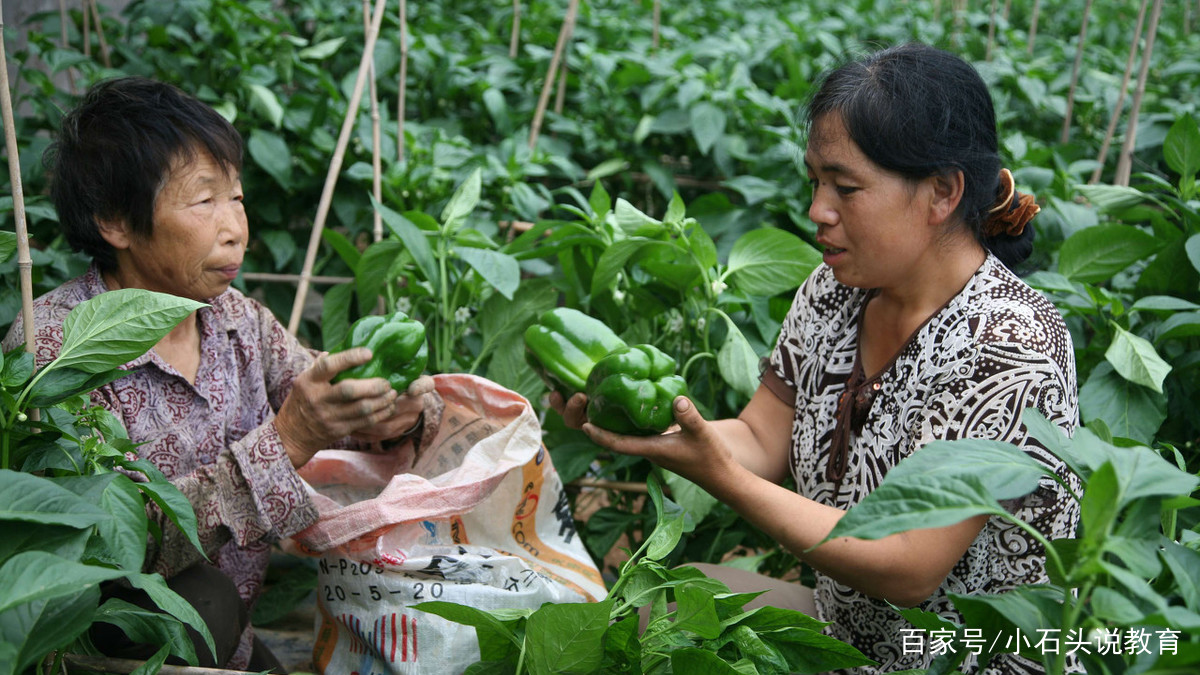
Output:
x=115 y=231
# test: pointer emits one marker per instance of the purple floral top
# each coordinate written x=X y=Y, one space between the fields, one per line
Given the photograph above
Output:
x=214 y=440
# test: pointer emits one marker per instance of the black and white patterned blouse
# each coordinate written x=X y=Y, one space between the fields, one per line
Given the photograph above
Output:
x=993 y=350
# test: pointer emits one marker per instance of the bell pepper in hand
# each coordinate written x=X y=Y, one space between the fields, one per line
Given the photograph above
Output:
x=631 y=391
x=398 y=351
x=563 y=346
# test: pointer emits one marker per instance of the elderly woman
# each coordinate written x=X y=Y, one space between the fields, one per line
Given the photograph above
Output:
x=914 y=329
x=146 y=180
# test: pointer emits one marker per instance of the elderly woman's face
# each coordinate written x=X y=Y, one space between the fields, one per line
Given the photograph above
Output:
x=199 y=237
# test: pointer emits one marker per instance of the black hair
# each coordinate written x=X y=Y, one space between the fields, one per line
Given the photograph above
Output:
x=115 y=151
x=919 y=111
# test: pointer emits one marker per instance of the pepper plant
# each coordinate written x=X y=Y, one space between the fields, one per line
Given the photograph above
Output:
x=73 y=494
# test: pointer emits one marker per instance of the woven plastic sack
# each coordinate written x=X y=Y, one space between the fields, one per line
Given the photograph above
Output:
x=478 y=518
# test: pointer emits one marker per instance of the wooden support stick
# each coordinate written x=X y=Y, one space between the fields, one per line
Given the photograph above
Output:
x=1033 y=20
x=403 y=80
x=376 y=141
x=1125 y=160
x=108 y=664
x=1066 y=129
x=24 y=261
x=991 y=33
x=620 y=486
x=657 y=23
x=87 y=30
x=295 y=278
x=561 y=95
x=1116 y=113
x=100 y=34
x=543 y=100
x=63 y=18
x=515 y=40
x=335 y=167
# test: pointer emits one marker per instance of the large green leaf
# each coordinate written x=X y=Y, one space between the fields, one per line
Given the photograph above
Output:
x=613 y=260
x=1108 y=198
x=769 y=261
x=696 y=661
x=1130 y=410
x=147 y=627
x=737 y=361
x=1136 y=359
x=116 y=327
x=1097 y=253
x=462 y=203
x=168 y=498
x=567 y=638
x=899 y=506
x=1180 y=325
x=270 y=151
x=501 y=270
x=1193 y=250
x=172 y=603
x=691 y=497
x=1181 y=148
x=31 y=631
x=38 y=575
x=125 y=533
x=266 y=103
x=413 y=238
x=810 y=651
x=8 y=245
x=60 y=384
x=753 y=188
x=708 y=125
x=500 y=622
x=502 y=318
x=321 y=50
x=336 y=302
x=34 y=499
x=633 y=222
x=1185 y=567
x=695 y=611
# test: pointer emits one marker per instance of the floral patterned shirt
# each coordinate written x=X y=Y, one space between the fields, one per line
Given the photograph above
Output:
x=216 y=439
x=993 y=350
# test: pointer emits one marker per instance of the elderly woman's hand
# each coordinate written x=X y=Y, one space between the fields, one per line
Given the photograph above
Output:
x=318 y=412
x=406 y=415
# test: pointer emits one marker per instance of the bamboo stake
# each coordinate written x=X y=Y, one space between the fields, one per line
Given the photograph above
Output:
x=1066 y=129
x=107 y=664
x=1007 y=8
x=657 y=23
x=1116 y=113
x=294 y=278
x=24 y=261
x=515 y=40
x=620 y=486
x=403 y=80
x=960 y=15
x=991 y=33
x=87 y=30
x=1033 y=20
x=560 y=96
x=1125 y=161
x=937 y=10
x=66 y=41
x=100 y=34
x=544 y=99
x=335 y=167
x=376 y=141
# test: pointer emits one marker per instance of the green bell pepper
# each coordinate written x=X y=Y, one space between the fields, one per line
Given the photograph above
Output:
x=631 y=391
x=564 y=344
x=398 y=350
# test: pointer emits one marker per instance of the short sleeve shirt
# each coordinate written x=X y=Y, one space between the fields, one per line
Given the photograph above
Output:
x=994 y=349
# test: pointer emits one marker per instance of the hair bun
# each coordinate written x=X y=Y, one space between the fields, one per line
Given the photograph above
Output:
x=1011 y=211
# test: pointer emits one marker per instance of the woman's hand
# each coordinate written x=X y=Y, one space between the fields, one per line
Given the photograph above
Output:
x=692 y=448
x=318 y=412
x=406 y=416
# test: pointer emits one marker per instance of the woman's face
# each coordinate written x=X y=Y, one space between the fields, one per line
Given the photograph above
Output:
x=872 y=223
x=200 y=234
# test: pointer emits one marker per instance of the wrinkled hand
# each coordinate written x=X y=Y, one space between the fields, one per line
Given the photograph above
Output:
x=318 y=412
x=406 y=416
x=573 y=411
x=692 y=448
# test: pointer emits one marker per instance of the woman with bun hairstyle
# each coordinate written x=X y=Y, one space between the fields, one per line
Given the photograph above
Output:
x=914 y=329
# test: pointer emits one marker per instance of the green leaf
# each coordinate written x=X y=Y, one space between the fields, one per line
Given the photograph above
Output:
x=116 y=327
x=1193 y=250
x=270 y=151
x=696 y=661
x=810 y=651
x=703 y=247
x=769 y=261
x=153 y=665
x=60 y=384
x=34 y=499
x=1130 y=410
x=266 y=103
x=567 y=638
x=1028 y=608
x=613 y=260
x=1100 y=501
x=1181 y=148
x=501 y=270
x=168 y=498
x=1097 y=253
x=37 y=575
x=899 y=506
x=1135 y=359
x=413 y=238
x=1185 y=567
x=321 y=50
x=8 y=245
x=462 y=203
x=170 y=602
x=125 y=533
x=753 y=189
x=1108 y=198
x=148 y=627
x=708 y=125
x=35 y=629
x=502 y=318
x=691 y=497
x=599 y=201
x=345 y=249
x=672 y=523
x=1162 y=303
x=1179 y=326
x=695 y=612
x=497 y=622
x=737 y=361
x=335 y=314
x=635 y=223
x=605 y=169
